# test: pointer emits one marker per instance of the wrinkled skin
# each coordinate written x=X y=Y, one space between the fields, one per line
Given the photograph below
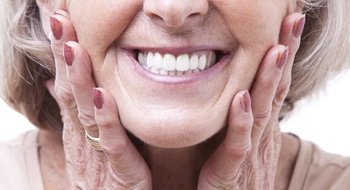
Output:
x=245 y=157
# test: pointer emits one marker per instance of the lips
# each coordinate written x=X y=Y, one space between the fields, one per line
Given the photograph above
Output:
x=171 y=64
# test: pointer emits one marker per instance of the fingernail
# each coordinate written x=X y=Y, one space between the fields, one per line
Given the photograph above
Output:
x=56 y=27
x=299 y=26
x=282 y=58
x=68 y=53
x=246 y=102
x=98 y=98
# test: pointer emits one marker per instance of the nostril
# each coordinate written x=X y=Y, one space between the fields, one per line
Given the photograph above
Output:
x=175 y=13
x=156 y=17
x=194 y=15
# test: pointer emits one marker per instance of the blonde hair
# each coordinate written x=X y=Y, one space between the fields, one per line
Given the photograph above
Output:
x=324 y=49
x=27 y=62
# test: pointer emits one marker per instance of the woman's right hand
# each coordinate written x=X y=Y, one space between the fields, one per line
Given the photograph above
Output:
x=119 y=165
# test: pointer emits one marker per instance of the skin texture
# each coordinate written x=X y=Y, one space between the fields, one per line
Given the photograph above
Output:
x=183 y=114
x=237 y=129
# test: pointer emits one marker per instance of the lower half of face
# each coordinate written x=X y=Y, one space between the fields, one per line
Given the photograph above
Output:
x=174 y=85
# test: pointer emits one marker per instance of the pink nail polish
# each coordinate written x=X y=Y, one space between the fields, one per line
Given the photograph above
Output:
x=98 y=98
x=56 y=27
x=299 y=27
x=246 y=102
x=282 y=58
x=68 y=53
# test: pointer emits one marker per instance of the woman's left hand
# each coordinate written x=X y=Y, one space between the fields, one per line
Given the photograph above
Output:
x=248 y=156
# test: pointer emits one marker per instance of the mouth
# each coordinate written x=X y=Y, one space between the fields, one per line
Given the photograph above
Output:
x=170 y=64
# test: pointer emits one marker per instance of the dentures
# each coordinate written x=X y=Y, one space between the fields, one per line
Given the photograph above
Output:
x=170 y=64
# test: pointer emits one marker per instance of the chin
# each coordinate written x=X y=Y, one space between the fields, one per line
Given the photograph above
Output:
x=171 y=129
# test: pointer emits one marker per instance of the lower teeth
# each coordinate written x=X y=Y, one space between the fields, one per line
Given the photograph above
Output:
x=170 y=73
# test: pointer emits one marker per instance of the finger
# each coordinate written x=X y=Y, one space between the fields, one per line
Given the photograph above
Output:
x=126 y=161
x=290 y=36
x=264 y=90
x=82 y=84
x=223 y=166
x=62 y=31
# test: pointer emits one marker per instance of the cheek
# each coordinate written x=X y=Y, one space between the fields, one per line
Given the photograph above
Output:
x=99 y=23
x=256 y=24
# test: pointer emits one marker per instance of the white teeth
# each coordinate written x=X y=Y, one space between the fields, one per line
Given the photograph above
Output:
x=179 y=73
x=155 y=70
x=211 y=60
x=149 y=59
x=158 y=61
x=169 y=64
x=194 y=62
x=141 y=58
x=164 y=72
x=202 y=62
x=183 y=62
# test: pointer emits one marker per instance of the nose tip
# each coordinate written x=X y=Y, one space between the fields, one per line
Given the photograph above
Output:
x=175 y=13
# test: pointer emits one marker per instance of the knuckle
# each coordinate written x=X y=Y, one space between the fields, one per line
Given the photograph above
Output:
x=64 y=94
x=244 y=129
x=284 y=87
x=87 y=119
x=217 y=180
x=238 y=151
x=281 y=95
x=116 y=149
x=57 y=51
x=262 y=118
x=270 y=82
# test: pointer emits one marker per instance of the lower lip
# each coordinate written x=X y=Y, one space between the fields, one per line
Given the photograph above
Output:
x=181 y=79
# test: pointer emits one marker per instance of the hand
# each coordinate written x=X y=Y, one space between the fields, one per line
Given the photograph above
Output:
x=119 y=165
x=248 y=156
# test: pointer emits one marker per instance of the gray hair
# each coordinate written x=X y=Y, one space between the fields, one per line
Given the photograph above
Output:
x=26 y=60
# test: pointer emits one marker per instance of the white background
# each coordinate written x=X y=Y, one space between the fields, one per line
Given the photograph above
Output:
x=324 y=120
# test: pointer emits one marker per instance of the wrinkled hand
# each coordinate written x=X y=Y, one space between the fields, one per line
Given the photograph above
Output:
x=119 y=165
x=247 y=158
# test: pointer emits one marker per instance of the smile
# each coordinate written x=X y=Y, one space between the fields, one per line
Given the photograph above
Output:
x=177 y=64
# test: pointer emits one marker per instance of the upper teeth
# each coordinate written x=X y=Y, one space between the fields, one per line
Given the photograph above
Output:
x=169 y=64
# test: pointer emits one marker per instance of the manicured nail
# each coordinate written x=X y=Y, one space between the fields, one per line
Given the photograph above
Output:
x=68 y=53
x=56 y=27
x=282 y=58
x=299 y=26
x=98 y=98
x=246 y=102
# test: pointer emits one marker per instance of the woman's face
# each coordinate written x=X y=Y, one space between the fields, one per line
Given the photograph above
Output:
x=153 y=56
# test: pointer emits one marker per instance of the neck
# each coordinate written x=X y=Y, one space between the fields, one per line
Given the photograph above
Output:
x=52 y=160
x=178 y=167
x=181 y=167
